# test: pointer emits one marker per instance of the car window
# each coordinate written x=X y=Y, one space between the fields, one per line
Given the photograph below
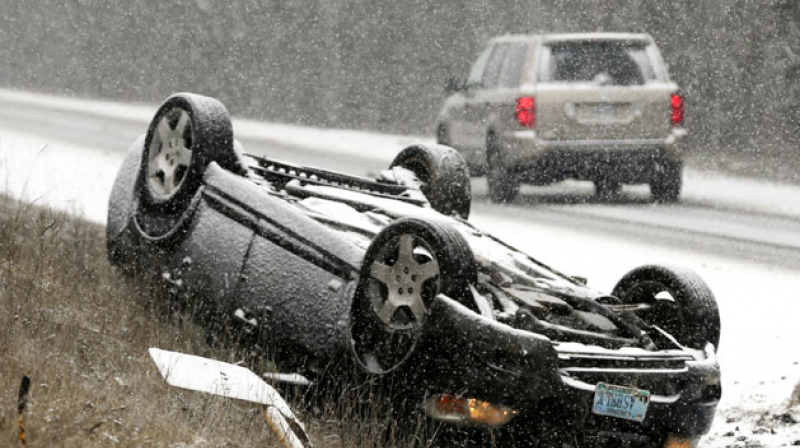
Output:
x=512 y=68
x=476 y=72
x=495 y=65
x=612 y=63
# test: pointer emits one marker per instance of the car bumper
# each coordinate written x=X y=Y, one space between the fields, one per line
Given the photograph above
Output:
x=474 y=357
x=526 y=147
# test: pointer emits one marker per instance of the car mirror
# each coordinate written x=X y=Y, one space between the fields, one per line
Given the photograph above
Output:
x=453 y=85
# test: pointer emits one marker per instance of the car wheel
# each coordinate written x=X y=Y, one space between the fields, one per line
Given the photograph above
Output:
x=503 y=185
x=406 y=266
x=667 y=181
x=187 y=133
x=607 y=188
x=675 y=299
x=443 y=174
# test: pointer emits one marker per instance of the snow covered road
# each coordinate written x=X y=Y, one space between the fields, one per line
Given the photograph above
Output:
x=741 y=235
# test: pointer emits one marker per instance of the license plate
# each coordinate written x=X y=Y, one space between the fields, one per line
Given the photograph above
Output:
x=621 y=402
x=604 y=108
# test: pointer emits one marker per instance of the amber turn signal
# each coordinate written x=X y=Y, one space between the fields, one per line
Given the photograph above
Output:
x=680 y=441
x=454 y=409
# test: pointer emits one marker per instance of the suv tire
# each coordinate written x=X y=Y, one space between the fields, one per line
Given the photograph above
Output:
x=503 y=185
x=607 y=188
x=667 y=180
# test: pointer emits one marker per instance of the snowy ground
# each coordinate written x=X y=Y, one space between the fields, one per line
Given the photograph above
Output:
x=759 y=353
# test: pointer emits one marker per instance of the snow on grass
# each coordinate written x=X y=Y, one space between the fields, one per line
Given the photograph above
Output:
x=63 y=176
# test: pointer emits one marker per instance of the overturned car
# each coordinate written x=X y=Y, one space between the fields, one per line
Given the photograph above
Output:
x=389 y=274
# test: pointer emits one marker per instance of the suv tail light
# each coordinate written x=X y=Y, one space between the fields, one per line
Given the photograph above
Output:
x=677 y=109
x=525 y=111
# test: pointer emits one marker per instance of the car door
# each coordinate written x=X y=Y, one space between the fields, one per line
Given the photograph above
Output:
x=462 y=129
x=298 y=276
x=258 y=257
x=495 y=101
x=208 y=262
x=482 y=98
x=302 y=303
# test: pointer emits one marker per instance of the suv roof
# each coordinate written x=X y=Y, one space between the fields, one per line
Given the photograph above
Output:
x=566 y=37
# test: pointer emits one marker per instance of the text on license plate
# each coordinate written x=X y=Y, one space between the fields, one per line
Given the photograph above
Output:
x=620 y=402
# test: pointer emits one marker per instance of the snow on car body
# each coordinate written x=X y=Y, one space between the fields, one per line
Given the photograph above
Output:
x=390 y=274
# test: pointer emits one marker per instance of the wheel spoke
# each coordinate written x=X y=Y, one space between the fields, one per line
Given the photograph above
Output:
x=169 y=180
x=386 y=313
x=405 y=251
x=163 y=164
x=381 y=272
x=184 y=156
x=428 y=270
x=418 y=309
x=154 y=166
x=157 y=166
x=182 y=122
x=163 y=130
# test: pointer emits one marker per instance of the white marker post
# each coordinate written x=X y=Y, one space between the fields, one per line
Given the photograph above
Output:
x=227 y=380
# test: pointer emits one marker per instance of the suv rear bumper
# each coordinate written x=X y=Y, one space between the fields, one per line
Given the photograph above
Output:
x=525 y=152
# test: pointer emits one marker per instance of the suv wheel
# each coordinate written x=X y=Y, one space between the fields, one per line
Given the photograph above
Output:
x=665 y=186
x=503 y=185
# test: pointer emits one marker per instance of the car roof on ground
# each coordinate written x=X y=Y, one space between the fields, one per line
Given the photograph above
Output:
x=567 y=37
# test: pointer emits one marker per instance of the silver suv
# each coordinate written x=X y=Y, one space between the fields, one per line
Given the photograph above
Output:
x=543 y=108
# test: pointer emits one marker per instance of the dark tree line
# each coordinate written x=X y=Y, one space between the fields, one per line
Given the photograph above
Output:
x=381 y=65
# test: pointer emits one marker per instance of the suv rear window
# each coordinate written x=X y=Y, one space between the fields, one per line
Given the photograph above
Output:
x=615 y=63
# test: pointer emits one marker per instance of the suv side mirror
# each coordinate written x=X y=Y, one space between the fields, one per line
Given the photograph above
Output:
x=453 y=85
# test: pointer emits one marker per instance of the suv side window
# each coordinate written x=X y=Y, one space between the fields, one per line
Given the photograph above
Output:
x=495 y=65
x=475 y=78
x=512 y=68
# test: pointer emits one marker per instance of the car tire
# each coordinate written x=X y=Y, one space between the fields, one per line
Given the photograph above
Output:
x=444 y=176
x=689 y=313
x=503 y=185
x=187 y=133
x=607 y=188
x=667 y=181
x=406 y=266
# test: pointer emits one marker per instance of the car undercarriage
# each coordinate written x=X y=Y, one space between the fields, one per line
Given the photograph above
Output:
x=390 y=275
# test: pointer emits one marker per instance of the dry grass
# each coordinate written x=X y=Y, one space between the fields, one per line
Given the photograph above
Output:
x=80 y=330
